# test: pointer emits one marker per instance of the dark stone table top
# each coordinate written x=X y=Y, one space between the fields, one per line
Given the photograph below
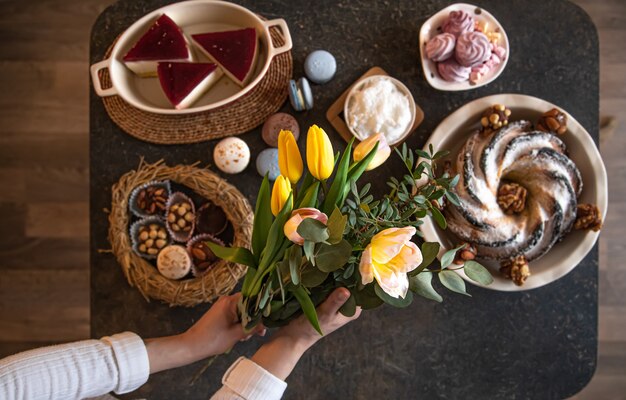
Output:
x=540 y=343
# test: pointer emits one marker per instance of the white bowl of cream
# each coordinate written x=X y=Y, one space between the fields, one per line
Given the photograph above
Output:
x=380 y=104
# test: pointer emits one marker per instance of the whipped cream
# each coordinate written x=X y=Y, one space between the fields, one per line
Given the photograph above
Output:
x=379 y=106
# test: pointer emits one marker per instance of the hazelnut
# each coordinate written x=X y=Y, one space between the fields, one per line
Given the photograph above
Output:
x=468 y=252
x=152 y=251
x=181 y=223
x=143 y=236
x=181 y=211
x=149 y=242
x=153 y=234
x=554 y=121
x=142 y=248
x=494 y=118
x=171 y=218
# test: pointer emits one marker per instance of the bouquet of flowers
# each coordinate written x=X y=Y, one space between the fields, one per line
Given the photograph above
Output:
x=312 y=234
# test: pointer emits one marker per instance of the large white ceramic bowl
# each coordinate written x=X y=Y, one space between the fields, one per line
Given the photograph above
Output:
x=430 y=28
x=195 y=16
x=565 y=255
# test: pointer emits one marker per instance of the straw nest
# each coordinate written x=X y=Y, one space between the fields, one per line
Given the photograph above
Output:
x=144 y=275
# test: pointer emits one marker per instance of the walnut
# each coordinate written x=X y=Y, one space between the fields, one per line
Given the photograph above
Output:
x=588 y=217
x=554 y=121
x=494 y=118
x=512 y=198
x=516 y=269
x=465 y=254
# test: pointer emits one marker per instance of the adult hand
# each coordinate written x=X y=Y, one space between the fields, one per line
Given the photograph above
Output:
x=216 y=332
x=281 y=354
x=219 y=329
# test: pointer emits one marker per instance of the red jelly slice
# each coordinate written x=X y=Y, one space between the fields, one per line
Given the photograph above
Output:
x=178 y=79
x=233 y=50
x=163 y=41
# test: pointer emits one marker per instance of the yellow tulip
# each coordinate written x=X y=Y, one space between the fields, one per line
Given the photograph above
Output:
x=297 y=216
x=289 y=158
x=280 y=194
x=388 y=258
x=319 y=153
x=382 y=153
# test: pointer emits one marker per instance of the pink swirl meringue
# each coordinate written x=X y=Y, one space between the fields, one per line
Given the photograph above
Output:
x=441 y=47
x=458 y=22
x=472 y=48
x=452 y=71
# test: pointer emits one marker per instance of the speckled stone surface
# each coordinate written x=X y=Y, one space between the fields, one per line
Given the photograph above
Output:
x=539 y=344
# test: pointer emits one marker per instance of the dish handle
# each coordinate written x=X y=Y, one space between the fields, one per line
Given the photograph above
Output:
x=97 y=84
x=282 y=25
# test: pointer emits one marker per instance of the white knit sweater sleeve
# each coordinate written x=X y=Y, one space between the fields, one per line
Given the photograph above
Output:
x=246 y=380
x=77 y=370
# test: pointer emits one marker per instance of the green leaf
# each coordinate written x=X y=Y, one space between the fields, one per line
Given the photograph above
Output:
x=452 y=281
x=329 y=258
x=348 y=308
x=366 y=298
x=454 y=199
x=422 y=154
x=237 y=255
x=336 y=226
x=265 y=295
x=477 y=273
x=448 y=256
x=422 y=285
x=295 y=255
x=357 y=169
x=398 y=302
x=339 y=182
x=276 y=235
x=307 y=307
x=429 y=253
x=262 y=219
x=313 y=230
x=439 y=218
x=455 y=181
x=312 y=277
x=309 y=251
x=310 y=196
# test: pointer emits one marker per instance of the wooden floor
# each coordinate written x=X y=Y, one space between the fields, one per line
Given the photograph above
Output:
x=44 y=235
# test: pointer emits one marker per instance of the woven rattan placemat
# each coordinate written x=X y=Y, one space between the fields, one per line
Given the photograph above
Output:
x=240 y=116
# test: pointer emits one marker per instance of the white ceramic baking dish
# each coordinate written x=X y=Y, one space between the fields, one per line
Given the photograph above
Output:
x=195 y=16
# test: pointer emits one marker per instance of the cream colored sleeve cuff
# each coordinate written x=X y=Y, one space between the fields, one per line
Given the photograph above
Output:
x=247 y=380
x=132 y=360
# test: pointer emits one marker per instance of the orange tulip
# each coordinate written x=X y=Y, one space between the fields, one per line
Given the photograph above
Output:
x=382 y=152
x=299 y=215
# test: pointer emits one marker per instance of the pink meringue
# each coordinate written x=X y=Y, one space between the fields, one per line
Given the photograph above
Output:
x=458 y=22
x=441 y=47
x=472 y=48
x=452 y=71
